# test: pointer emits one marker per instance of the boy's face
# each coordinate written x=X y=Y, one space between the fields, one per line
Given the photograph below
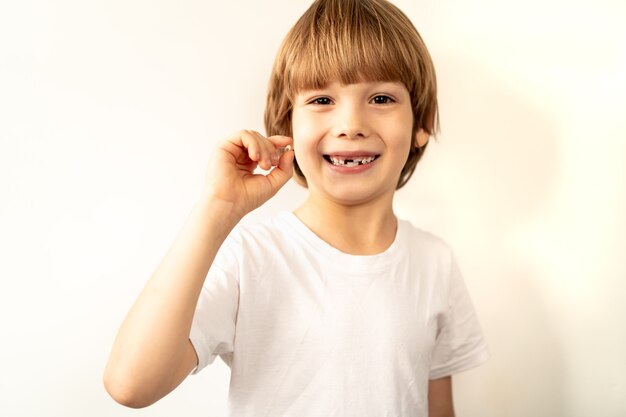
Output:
x=352 y=141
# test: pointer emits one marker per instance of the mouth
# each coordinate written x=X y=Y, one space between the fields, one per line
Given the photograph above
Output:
x=350 y=161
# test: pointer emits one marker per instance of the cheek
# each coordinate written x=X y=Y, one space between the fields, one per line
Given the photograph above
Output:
x=402 y=134
x=305 y=153
x=299 y=143
x=398 y=136
x=303 y=133
x=300 y=147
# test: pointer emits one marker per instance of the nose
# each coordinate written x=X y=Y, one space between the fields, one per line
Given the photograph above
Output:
x=350 y=121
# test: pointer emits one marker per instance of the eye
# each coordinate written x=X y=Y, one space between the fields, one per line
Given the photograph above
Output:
x=382 y=99
x=321 y=101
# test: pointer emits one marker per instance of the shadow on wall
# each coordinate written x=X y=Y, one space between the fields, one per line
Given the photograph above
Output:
x=504 y=155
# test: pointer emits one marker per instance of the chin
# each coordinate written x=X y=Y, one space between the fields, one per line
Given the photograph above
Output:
x=353 y=196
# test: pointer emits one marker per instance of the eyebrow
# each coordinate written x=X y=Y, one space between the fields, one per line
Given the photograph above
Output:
x=374 y=84
x=395 y=86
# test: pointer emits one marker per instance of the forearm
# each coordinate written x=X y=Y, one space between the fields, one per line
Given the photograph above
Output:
x=151 y=344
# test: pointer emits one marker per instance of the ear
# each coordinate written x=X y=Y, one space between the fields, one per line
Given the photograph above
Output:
x=421 y=138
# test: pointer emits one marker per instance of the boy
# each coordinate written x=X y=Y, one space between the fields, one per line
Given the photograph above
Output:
x=339 y=308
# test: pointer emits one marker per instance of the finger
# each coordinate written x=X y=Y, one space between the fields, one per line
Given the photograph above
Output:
x=259 y=149
x=264 y=150
x=286 y=160
x=249 y=140
x=271 y=149
x=239 y=144
x=281 y=174
x=280 y=145
x=269 y=154
x=280 y=140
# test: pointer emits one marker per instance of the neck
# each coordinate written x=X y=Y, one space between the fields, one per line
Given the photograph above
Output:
x=364 y=229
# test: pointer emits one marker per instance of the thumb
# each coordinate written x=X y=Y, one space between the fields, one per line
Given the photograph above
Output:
x=282 y=172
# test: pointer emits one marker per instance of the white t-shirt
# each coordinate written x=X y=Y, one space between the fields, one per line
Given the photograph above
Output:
x=310 y=331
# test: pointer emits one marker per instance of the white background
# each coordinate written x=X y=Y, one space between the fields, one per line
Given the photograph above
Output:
x=108 y=112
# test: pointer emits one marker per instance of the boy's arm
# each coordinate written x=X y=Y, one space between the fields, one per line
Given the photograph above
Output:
x=152 y=353
x=440 y=397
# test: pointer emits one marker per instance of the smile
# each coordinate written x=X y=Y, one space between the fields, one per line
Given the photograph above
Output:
x=351 y=161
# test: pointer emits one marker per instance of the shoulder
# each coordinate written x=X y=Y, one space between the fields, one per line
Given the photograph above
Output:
x=258 y=239
x=431 y=255
x=254 y=233
x=251 y=245
x=424 y=242
x=259 y=249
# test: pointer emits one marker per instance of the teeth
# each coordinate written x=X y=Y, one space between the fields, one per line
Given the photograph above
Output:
x=351 y=162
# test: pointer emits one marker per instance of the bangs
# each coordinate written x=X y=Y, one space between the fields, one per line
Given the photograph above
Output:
x=342 y=41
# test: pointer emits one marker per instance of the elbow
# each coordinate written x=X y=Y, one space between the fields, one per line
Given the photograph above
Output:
x=124 y=392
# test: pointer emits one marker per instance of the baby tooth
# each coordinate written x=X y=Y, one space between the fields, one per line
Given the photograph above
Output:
x=281 y=151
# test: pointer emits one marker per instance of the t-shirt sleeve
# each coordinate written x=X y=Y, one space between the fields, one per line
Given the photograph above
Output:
x=213 y=327
x=459 y=344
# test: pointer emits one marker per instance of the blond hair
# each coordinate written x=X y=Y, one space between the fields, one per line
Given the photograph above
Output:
x=353 y=41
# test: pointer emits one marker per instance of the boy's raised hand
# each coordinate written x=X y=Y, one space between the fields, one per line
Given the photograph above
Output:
x=230 y=175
